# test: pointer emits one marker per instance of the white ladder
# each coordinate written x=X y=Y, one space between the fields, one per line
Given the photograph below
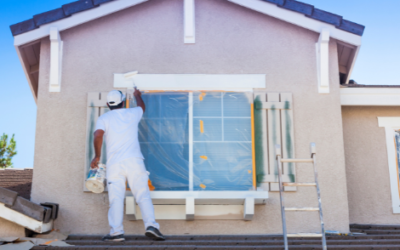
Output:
x=306 y=209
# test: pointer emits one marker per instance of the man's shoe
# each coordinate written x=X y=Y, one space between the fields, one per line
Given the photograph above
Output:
x=154 y=233
x=108 y=237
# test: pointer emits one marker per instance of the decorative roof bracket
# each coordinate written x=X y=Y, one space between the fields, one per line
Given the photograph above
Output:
x=56 y=52
x=189 y=21
x=322 y=49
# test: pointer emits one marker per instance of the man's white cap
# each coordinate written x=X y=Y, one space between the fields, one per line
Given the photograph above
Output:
x=115 y=97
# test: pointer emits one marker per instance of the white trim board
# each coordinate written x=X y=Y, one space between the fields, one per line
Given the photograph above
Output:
x=202 y=212
x=390 y=124
x=206 y=197
x=192 y=82
x=75 y=20
x=370 y=96
x=299 y=19
x=257 y=5
x=23 y=220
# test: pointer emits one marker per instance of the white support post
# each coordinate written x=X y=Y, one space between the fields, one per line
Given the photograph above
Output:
x=190 y=208
x=131 y=208
x=322 y=49
x=189 y=21
x=248 y=208
x=56 y=51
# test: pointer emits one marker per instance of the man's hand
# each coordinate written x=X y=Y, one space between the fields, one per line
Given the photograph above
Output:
x=137 y=93
x=95 y=162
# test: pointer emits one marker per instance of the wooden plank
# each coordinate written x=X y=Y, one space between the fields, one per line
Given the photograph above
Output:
x=261 y=141
x=288 y=151
x=297 y=160
x=93 y=112
x=270 y=105
x=96 y=99
x=274 y=137
x=307 y=209
x=301 y=184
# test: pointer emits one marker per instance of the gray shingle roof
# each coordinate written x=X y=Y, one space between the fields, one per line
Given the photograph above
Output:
x=71 y=8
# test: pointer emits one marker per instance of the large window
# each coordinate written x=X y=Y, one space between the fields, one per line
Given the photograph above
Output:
x=198 y=140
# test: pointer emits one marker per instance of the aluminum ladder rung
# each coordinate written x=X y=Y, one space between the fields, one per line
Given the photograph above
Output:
x=301 y=209
x=298 y=184
x=297 y=160
x=305 y=235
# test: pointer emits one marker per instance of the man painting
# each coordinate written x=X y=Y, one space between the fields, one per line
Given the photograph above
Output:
x=124 y=161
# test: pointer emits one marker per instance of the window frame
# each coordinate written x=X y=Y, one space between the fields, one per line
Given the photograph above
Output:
x=391 y=124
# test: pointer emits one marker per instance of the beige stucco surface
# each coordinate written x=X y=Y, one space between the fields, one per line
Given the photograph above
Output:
x=367 y=167
x=229 y=40
x=10 y=229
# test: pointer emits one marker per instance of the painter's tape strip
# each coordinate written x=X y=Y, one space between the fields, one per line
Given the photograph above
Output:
x=201 y=126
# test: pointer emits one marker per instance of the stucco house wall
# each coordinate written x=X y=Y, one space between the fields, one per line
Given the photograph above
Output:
x=367 y=168
x=229 y=40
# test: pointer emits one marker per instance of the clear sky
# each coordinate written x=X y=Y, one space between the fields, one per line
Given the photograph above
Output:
x=378 y=61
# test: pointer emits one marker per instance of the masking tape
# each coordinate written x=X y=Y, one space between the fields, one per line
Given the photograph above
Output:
x=151 y=187
x=202 y=186
x=203 y=157
x=201 y=126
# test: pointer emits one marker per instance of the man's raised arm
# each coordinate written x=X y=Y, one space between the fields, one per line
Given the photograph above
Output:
x=139 y=101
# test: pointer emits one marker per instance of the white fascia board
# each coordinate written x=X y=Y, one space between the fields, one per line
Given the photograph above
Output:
x=299 y=19
x=192 y=82
x=75 y=20
x=370 y=96
x=353 y=62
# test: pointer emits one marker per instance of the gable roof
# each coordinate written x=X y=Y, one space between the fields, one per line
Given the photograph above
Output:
x=71 y=8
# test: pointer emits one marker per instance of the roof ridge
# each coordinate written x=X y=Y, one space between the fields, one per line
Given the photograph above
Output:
x=69 y=9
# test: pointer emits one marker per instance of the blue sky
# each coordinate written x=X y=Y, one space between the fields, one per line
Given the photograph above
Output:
x=378 y=61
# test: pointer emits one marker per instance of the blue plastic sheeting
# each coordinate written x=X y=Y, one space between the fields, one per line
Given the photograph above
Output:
x=222 y=149
x=222 y=157
x=163 y=137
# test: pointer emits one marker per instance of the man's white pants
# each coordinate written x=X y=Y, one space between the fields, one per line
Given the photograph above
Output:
x=134 y=170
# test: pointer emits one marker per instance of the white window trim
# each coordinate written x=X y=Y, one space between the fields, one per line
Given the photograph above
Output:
x=391 y=124
x=190 y=82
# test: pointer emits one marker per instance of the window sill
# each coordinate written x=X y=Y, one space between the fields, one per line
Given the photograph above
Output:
x=190 y=205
